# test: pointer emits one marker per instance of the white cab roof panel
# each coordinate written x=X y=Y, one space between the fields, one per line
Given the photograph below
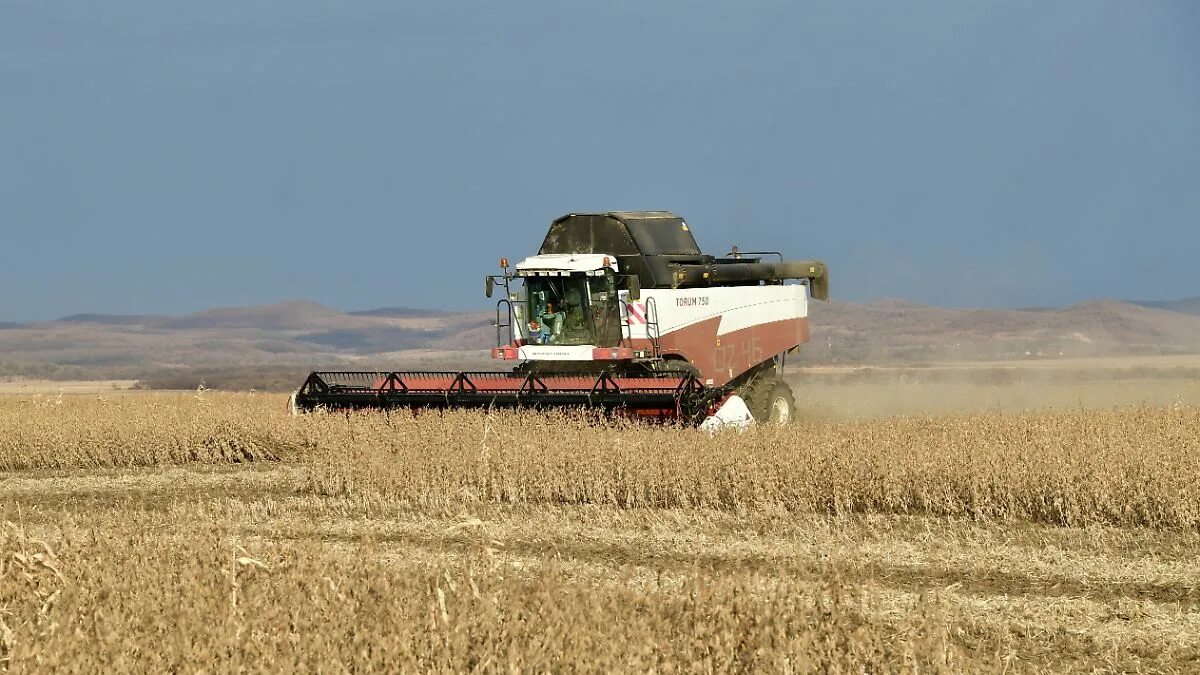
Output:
x=566 y=262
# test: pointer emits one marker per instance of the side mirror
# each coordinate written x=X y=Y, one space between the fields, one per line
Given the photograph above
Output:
x=489 y=286
x=635 y=288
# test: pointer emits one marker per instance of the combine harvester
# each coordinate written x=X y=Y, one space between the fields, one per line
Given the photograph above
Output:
x=621 y=312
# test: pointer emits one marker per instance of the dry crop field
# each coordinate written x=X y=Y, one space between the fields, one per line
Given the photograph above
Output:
x=212 y=532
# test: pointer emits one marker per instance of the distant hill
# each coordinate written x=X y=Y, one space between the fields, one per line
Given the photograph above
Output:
x=296 y=336
x=115 y=319
x=292 y=334
x=1184 y=305
x=900 y=331
x=399 y=312
x=282 y=316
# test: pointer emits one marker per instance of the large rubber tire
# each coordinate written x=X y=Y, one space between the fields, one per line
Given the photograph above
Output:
x=782 y=405
x=771 y=402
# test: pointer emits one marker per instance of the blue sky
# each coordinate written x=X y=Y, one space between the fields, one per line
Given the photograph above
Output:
x=161 y=157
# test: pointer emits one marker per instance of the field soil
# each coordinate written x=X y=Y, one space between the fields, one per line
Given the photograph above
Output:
x=208 y=531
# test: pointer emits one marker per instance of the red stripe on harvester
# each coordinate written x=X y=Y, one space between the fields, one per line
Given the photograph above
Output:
x=633 y=310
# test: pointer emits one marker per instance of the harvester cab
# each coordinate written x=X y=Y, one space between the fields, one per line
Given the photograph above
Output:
x=565 y=307
x=622 y=311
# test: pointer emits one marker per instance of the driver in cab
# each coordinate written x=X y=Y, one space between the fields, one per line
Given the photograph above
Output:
x=548 y=325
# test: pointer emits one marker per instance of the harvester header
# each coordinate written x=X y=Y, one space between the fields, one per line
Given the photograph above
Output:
x=622 y=311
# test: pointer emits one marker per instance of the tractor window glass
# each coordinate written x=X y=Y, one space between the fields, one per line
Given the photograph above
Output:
x=558 y=310
x=606 y=312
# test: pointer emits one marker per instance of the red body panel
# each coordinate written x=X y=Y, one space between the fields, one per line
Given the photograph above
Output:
x=723 y=358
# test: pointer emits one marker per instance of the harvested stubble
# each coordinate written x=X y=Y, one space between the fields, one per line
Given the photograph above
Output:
x=104 y=601
x=1134 y=467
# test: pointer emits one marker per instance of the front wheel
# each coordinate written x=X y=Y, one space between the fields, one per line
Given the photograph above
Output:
x=782 y=405
x=772 y=403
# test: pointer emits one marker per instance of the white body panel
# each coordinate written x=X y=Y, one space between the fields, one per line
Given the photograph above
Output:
x=555 y=353
x=565 y=263
x=738 y=307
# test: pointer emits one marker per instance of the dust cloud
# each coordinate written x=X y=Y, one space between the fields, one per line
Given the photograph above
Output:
x=1085 y=384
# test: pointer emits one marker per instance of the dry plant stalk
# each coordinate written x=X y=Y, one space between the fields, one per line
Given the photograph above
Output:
x=145 y=589
x=1132 y=467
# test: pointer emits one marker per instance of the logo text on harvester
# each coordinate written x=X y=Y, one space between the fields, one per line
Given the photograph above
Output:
x=694 y=301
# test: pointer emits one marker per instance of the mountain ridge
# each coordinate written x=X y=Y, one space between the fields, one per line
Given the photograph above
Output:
x=1184 y=305
x=308 y=334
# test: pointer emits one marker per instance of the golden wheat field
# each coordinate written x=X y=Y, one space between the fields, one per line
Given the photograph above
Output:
x=213 y=532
